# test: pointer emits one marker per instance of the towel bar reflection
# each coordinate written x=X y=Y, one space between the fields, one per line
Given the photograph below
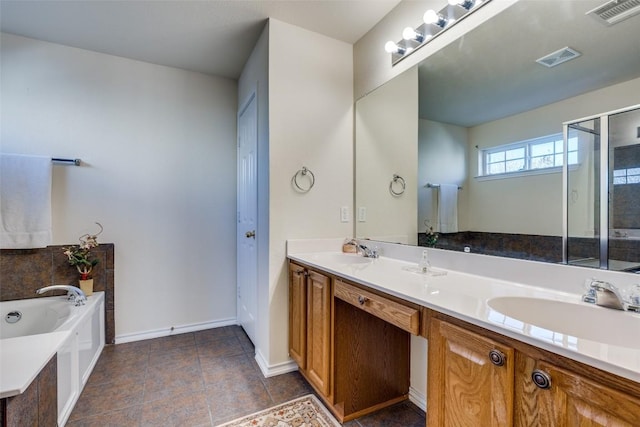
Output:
x=75 y=162
x=430 y=185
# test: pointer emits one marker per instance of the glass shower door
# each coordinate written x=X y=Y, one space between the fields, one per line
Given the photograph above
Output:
x=624 y=191
x=602 y=191
x=582 y=202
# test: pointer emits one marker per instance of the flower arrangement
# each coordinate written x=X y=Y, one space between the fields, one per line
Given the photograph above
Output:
x=432 y=238
x=81 y=257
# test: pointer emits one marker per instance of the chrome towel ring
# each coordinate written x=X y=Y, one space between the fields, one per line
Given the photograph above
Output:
x=300 y=186
x=397 y=179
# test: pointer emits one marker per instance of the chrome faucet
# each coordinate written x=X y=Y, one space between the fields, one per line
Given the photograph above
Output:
x=73 y=294
x=367 y=252
x=605 y=294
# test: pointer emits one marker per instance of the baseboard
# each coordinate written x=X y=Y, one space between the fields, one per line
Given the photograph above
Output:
x=419 y=399
x=174 y=330
x=273 y=370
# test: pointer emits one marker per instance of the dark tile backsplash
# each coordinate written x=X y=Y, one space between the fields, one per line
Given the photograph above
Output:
x=521 y=246
x=23 y=271
x=533 y=247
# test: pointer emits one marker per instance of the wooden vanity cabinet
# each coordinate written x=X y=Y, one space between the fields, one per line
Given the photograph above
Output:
x=469 y=384
x=350 y=343
x=319 y=315
x=310 y=316
x=298 y=315
x=569 y=399
x=470 y=378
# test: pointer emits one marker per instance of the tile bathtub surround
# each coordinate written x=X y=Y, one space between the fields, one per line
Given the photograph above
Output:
x=23 y=271
x=202 y=378
x=38 y=405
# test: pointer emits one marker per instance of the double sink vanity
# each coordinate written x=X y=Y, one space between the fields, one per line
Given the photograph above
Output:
x=500 y=351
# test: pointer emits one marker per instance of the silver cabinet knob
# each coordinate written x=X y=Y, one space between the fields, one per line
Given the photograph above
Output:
x=541 y=379
x=497 y=357
x=362 y=300
x=250 y=234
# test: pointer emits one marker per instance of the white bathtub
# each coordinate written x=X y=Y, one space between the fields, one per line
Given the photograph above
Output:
x=38 y=316
x=51 y=325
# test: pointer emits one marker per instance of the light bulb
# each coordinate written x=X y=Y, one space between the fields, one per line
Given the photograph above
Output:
x=466 y=4
x=411 y=34
x=392 y=47
x=430 y=17
x=433 y=17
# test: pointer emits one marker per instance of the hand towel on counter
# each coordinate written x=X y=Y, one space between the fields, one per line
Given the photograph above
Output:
x=448 y=208
x=25 y=201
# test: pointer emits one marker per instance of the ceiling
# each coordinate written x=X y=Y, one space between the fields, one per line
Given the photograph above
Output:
x=208 y=36
x=491 y=73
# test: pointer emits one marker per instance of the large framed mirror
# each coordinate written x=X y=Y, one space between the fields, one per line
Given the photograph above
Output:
x=475 y=131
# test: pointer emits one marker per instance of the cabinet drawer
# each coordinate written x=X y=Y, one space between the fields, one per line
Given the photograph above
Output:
x=400 y=315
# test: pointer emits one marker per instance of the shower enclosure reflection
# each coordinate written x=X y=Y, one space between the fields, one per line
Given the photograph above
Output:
x=602 y=193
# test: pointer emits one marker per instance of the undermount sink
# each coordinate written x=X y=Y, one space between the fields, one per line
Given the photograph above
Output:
x=590 y=322
x=342 y=258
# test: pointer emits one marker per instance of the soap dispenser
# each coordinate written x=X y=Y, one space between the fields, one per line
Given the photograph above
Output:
x=424 y=266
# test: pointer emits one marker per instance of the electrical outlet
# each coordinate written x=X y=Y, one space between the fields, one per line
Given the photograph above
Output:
x=362 y=214
x=344 y=214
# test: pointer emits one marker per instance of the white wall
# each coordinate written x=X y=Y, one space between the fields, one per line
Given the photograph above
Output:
x=442 y=159
x=158 y=146
x=534 y=204
x=386 y=123
x=310 y=124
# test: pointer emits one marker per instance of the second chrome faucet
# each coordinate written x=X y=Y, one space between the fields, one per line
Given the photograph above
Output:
x=605 y=294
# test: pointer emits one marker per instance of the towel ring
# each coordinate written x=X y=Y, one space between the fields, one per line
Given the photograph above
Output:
x=400 y=180
x=303 y=172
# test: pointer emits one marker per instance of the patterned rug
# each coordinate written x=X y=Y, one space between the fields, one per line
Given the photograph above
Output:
x=304 y=411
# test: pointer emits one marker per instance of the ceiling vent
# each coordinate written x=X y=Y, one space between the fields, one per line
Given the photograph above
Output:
x=558 y=57
x=615 y=11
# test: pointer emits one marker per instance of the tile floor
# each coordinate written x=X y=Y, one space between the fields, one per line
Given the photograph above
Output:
x=196 y=379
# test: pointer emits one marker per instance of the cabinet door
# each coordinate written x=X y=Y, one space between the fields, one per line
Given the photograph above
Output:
x=298 y=315
x=569 y=400
x=470 y=379
x=319 y=331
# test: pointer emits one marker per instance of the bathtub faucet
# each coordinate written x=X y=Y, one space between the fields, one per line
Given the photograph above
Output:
x=73 y=294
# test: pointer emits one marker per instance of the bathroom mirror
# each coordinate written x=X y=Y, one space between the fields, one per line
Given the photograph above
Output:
x=435 y=124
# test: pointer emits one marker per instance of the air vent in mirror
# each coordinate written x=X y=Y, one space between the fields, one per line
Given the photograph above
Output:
x=615 y=11
x=558 y=57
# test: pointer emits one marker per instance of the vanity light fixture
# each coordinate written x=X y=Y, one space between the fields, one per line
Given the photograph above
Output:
x=434 y=23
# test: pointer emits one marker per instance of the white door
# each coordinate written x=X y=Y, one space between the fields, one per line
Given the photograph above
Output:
x=246 y=232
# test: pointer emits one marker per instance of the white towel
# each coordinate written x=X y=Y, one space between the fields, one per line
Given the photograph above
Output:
x=25 y=201
x=448 y=208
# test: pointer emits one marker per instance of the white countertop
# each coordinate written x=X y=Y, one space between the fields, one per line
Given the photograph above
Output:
x=22 y=359
x=465 y=296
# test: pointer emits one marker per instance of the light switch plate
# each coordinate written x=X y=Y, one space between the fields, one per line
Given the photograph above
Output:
x=362 y=214
x=344 y=214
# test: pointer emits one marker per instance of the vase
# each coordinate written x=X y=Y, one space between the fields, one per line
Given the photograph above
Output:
x=86 y=286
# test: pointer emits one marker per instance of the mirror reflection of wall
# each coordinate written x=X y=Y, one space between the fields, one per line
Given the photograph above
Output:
x=442 y=160
x=386 y=123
